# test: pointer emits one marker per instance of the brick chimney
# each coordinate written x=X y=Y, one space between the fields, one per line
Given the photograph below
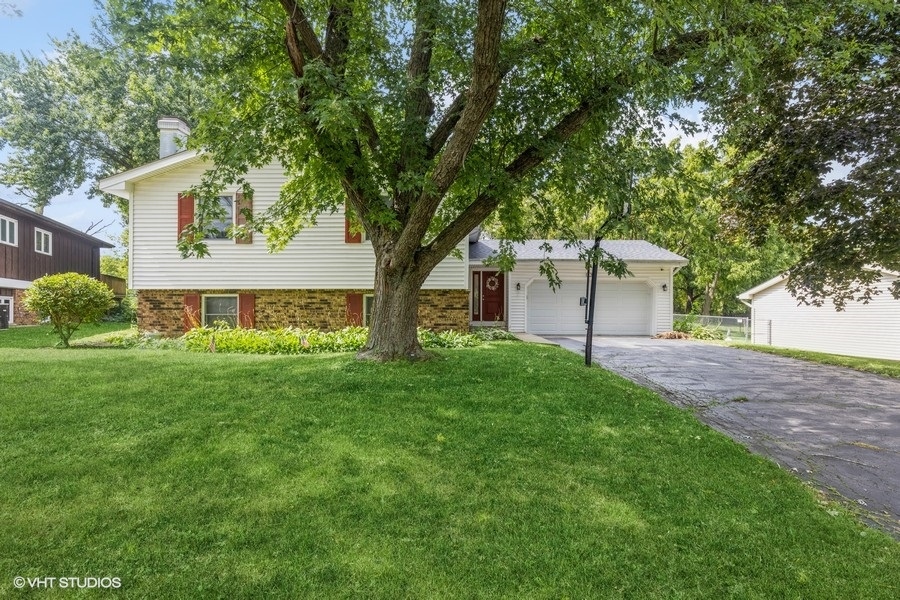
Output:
x=173 y=133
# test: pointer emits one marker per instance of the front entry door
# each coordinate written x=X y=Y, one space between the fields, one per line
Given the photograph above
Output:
x=489 y=299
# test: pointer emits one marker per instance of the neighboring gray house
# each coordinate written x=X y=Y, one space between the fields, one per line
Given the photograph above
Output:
x=523 y=301
x=869 y=330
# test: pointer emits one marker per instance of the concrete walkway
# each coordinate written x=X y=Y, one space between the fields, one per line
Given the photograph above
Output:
x=837 y=428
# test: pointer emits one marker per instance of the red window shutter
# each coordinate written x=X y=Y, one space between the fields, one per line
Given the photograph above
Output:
x=354 y=309
x=242 y=204
x=185 y=212
x=247 y=311
x=349 y=236
x=192 y=316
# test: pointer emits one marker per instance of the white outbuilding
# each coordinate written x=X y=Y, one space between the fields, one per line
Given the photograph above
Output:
x=869 y=330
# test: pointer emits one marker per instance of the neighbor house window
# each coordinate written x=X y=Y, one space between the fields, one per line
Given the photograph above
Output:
x=222 y=224
x=43 y=241
x=368 y=302
x=220 y=309
x=8 y=231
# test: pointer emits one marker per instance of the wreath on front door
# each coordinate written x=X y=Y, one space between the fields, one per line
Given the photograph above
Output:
x=492 y=283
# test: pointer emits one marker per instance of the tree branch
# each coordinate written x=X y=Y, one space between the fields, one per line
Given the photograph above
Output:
x=337 y=35
x=445 y=127
x=295 y=54
x=418 y=106
x=549 y=143
x=482 y=97
x=303 y=28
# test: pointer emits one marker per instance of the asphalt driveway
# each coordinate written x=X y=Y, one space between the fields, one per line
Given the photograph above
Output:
x=837 y=428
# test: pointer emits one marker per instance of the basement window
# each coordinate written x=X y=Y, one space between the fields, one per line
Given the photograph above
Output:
x=220 y=309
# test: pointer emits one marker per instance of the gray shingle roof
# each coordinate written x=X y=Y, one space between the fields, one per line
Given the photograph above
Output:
x=627 y=250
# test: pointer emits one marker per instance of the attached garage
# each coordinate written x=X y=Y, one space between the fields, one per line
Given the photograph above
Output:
x=558 y=312
x=622 y=308
x=637 y=305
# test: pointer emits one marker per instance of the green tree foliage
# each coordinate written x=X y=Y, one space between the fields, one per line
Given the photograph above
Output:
x=820 y=152
x=685 y=207
x=68 y=300
x=427 y=117
x=85 y=110
x=116 y=264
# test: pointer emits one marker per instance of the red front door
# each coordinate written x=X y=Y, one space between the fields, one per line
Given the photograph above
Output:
x=488 y=298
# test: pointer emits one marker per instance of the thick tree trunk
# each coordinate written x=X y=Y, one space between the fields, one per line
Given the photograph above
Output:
x=392 y=327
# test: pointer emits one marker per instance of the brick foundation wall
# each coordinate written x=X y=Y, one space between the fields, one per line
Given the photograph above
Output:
x=20 y=315
x=162 y=310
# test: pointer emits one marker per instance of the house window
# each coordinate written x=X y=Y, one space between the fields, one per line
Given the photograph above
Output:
x=43 y=241
x=368 y=302
x=222 y=224
x=8 y=231
x=220 y=309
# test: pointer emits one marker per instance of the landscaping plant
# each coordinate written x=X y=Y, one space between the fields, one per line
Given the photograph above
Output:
x=68 y=300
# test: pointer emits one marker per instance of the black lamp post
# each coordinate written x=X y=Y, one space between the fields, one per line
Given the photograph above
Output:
x=592 y=282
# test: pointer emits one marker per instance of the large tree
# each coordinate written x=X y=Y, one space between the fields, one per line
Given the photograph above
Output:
x=686 y=207
x=427 y=116
x=820 y=155
x=83 y=111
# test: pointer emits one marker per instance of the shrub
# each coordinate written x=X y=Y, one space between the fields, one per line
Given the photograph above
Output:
x=492 y=334
x=68 y=300
x=706 y=332
x=696 y=330
x=289 y=340
x=446 y=339
x=132 y=338
x=125 y=311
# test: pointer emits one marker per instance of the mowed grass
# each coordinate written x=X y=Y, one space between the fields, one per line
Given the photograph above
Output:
x=43 y=336
x=879 y=366
x=506 y=470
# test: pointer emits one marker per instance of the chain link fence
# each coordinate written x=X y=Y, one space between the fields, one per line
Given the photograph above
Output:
x=733 y=327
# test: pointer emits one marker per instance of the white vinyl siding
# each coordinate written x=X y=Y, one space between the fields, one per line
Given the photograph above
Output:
x=318 y=258
x=869 y=330
x=9 y=229
x=572 y=273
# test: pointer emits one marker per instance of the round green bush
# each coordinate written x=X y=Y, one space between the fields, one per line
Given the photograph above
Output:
x=68 y=300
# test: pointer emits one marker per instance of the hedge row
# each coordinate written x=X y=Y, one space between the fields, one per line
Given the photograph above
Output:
x=291 y=340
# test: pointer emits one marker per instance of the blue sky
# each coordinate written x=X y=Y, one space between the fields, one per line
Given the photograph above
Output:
x=41 y=20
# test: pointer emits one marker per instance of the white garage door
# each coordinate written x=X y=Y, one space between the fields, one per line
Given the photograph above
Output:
x=622 y=309
x=555 y=313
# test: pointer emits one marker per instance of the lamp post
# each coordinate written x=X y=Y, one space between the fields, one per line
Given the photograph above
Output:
x=592 y=283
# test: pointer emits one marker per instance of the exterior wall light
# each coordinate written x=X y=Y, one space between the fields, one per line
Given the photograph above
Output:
x=665 y=287
x=518 y=287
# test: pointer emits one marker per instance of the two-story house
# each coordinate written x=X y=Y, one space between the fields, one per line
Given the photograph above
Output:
x=324 y=277
x=31 y=246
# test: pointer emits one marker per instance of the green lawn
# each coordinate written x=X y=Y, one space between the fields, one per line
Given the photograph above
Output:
x=879 y=366
x=506 y=470
x=42 y=336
